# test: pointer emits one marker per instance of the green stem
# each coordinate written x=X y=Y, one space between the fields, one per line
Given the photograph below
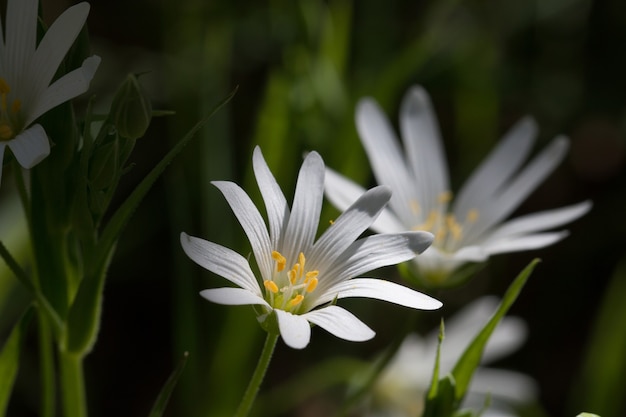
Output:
x=46 y=359
x=73 y=385
x=257 y=377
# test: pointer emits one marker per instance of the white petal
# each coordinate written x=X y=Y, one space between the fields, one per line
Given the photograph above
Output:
x=232 y=296
x=515 y=244
x=31 y=146
x=307 y=205
x=380 y=290
x=541 y=221
x=374 y=252
x=509 y=385
x=295 y=330
x=65 y=88
x=497 y=168
x=422 y=141
x=349 y=225
x=341 y=323
x=508 y=336
x=343 y=192
x=252 y=223
x=20 y=38
x=275 y=202
x=56 y=42
x=386 y=158
x=221 y=261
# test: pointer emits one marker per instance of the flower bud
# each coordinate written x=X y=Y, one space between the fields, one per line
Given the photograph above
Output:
x=131 y=110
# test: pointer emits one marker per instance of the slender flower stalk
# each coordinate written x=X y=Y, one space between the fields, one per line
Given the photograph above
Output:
x=470 y=227
x=26 y=70
x=302 y=278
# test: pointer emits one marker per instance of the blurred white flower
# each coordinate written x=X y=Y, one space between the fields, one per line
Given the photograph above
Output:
x=301 y=278
x=400 y=390
x=26 y=70
x=470 y=228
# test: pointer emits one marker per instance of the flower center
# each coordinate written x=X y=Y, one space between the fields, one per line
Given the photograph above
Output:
x=9 y=113
x=299 y=283
x=445 y=226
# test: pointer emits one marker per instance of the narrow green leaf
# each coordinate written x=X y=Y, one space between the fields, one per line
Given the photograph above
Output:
x=434 y=384
x=444 y=403
x=84 y=316
x=469 y=361
x=168 y=388
x=10 y=359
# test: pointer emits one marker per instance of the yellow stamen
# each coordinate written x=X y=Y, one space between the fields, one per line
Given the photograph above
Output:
x=415 y=207
x=312 y=284
x=454 y=228
x=472 y=215
x=292 y=276
x=301 y=260
x=296 y=300
x=4 y=87
x=280 y=260
x=6 y=132
x=331 y=221
x=444 y=197
x=271 y=286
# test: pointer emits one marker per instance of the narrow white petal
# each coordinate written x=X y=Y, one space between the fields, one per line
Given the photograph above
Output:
x=307 y=205
x=341 y=323
x=20 y=38
x=386 y=158
x=508 y=385
x=422 y=141
x=31 y=146
x=515 y=244
x=252 y=223
x=508 y=336
x=374 y=252
x=221 y=261
x=343 y=192
x=503 y=161
x=380 y=290
x=542 y=220
x=232 y=296
x=295 y=330
x=520 y=187
x=56 y=42
x=274 y=199
x=350 y=225
x=65 y=88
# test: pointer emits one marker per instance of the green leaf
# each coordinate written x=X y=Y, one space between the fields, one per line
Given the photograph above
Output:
x=168 y=388
x=432 y=392
x=84 y=315
x=444 y=403
x=10 y=359
x=469 y=361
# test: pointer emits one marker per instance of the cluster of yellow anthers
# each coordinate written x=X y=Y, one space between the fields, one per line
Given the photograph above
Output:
x=300 y=283
x=442 y=224
x=7 y=118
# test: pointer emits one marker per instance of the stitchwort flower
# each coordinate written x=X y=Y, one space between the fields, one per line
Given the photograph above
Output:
x=301 y=278
x=26 y=70
x=401 y=389
x=468 y=228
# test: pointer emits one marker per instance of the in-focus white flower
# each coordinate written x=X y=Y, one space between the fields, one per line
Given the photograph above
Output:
x=300 y=277
x=400 y=390
x=470 y=228
x=26 y=70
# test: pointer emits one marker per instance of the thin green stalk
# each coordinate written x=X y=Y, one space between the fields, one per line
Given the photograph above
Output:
x=46 y=364
x=257 y=377
x=73 y=385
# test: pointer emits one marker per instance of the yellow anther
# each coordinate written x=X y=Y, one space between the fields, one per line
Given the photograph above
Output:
x=4 y=87
x=453 y=227
x=271 y=286
x=280 y=260
x=296 y=300
x=310 y=275
x=6 y=132
x=301 y=260
x=415 y=207
x=331 y=222
x=472 y=215
x=312 y=283
x=444 y=197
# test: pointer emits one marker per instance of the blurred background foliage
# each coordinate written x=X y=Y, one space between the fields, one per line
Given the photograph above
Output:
x=300 y=67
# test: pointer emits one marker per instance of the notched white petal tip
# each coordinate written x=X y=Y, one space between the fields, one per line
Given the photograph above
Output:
x=295 y=330
x=341 y=323
x=31 y=146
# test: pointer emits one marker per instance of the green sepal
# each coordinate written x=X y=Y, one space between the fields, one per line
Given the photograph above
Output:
x=164 y=395
x=10 y=359
x=84 y=315
x=469 y=361
x=131 y=110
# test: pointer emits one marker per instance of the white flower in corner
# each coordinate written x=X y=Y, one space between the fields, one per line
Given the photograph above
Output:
x=300 y=277
x=400 y=390
x=26 y=70
x=468 y=228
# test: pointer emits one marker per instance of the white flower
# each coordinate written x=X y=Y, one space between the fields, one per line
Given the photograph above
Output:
x=400 y=390
x=26 y=70
x=301 y=278
x=470 y=228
